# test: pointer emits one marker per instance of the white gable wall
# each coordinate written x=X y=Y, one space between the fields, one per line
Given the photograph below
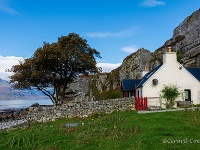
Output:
x=171 y=72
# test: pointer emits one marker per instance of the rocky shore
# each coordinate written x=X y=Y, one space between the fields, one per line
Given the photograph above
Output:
x=12 y=118
x=8 y=115
x=12 y=123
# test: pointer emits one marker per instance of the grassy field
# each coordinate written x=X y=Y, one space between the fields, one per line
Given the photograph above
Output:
x=117 y=131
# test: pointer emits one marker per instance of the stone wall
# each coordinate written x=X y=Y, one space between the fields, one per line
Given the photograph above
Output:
x=13 y=115
x=79 y=109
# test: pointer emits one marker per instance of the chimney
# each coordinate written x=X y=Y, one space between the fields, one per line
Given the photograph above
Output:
x=169 y=56
x=169 y=49
x=145 y=71
x=145 y=68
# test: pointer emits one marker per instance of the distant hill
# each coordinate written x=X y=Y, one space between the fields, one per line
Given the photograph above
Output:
x=8 y=93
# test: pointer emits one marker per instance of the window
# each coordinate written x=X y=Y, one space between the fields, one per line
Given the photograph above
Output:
x=138 y=95
x=130 y=94
x=187 y=94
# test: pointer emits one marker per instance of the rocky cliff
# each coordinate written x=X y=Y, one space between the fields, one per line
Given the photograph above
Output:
x=186 y=40
x=134 y=63
x=108 y=85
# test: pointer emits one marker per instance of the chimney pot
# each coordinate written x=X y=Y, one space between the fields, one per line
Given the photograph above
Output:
x=169 y=49
x=145 y=68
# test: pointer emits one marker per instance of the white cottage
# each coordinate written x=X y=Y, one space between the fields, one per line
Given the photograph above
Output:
x=171 y=72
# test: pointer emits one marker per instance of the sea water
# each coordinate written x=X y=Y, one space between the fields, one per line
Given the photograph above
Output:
x=21 y=104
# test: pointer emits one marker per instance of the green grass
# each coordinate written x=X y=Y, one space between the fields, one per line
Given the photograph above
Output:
x=117 y=131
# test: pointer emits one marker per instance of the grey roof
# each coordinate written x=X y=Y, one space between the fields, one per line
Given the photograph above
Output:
x=129 y=84
x=148 y=75
x=195 y=72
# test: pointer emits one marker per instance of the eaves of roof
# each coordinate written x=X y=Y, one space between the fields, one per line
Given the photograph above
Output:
x=129 y=84
x=195 y=72
x=147 y=76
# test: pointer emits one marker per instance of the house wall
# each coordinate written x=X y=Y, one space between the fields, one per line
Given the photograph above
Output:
x=171 y=72
x=128 y=93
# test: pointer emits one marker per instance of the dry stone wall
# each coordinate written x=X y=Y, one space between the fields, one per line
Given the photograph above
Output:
x=79 y=109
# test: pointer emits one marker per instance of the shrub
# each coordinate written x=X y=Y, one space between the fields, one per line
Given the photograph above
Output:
x=170 y=93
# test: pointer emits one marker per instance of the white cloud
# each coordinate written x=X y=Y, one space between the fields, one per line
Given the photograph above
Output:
x=5 y=75
x=107 y=67
x=130 y=49
x=152 y=3
x=123 y=33
x=5 y=7
x=7 y=63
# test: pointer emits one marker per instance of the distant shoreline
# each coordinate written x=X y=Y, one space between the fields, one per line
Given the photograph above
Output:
x=14 y=105
x=12 y=110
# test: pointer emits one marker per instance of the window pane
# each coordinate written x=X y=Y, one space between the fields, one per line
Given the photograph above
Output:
x=186 y=95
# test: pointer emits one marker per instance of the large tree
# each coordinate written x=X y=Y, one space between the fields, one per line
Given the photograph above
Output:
x=54 y=66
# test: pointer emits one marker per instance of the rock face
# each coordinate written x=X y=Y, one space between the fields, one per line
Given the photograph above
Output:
x=134 y=63
x=94 y=86
x=190 y=45
x=8 y=93
x=186 y=38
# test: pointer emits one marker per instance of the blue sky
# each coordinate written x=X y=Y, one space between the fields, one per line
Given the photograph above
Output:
x=115 y=28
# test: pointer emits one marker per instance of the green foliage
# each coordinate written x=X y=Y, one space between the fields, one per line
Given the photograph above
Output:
x=179 y=56
x=107 y=86
x=55 y=66
x=111 y=94
x=179 y=38
x=170 y=93
x=104 y=95
x=188 y=106
x=119 y=130
x=197 y=105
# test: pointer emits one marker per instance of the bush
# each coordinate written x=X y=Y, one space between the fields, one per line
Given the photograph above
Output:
x=170 y=93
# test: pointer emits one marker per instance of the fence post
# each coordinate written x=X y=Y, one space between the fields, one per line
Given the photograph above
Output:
x=142 y=103
x=136 y=103
x=139 y=103
x=145 y=103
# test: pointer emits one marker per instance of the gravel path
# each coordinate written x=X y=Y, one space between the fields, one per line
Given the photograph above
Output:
x=178 y=109
x=12 y=123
